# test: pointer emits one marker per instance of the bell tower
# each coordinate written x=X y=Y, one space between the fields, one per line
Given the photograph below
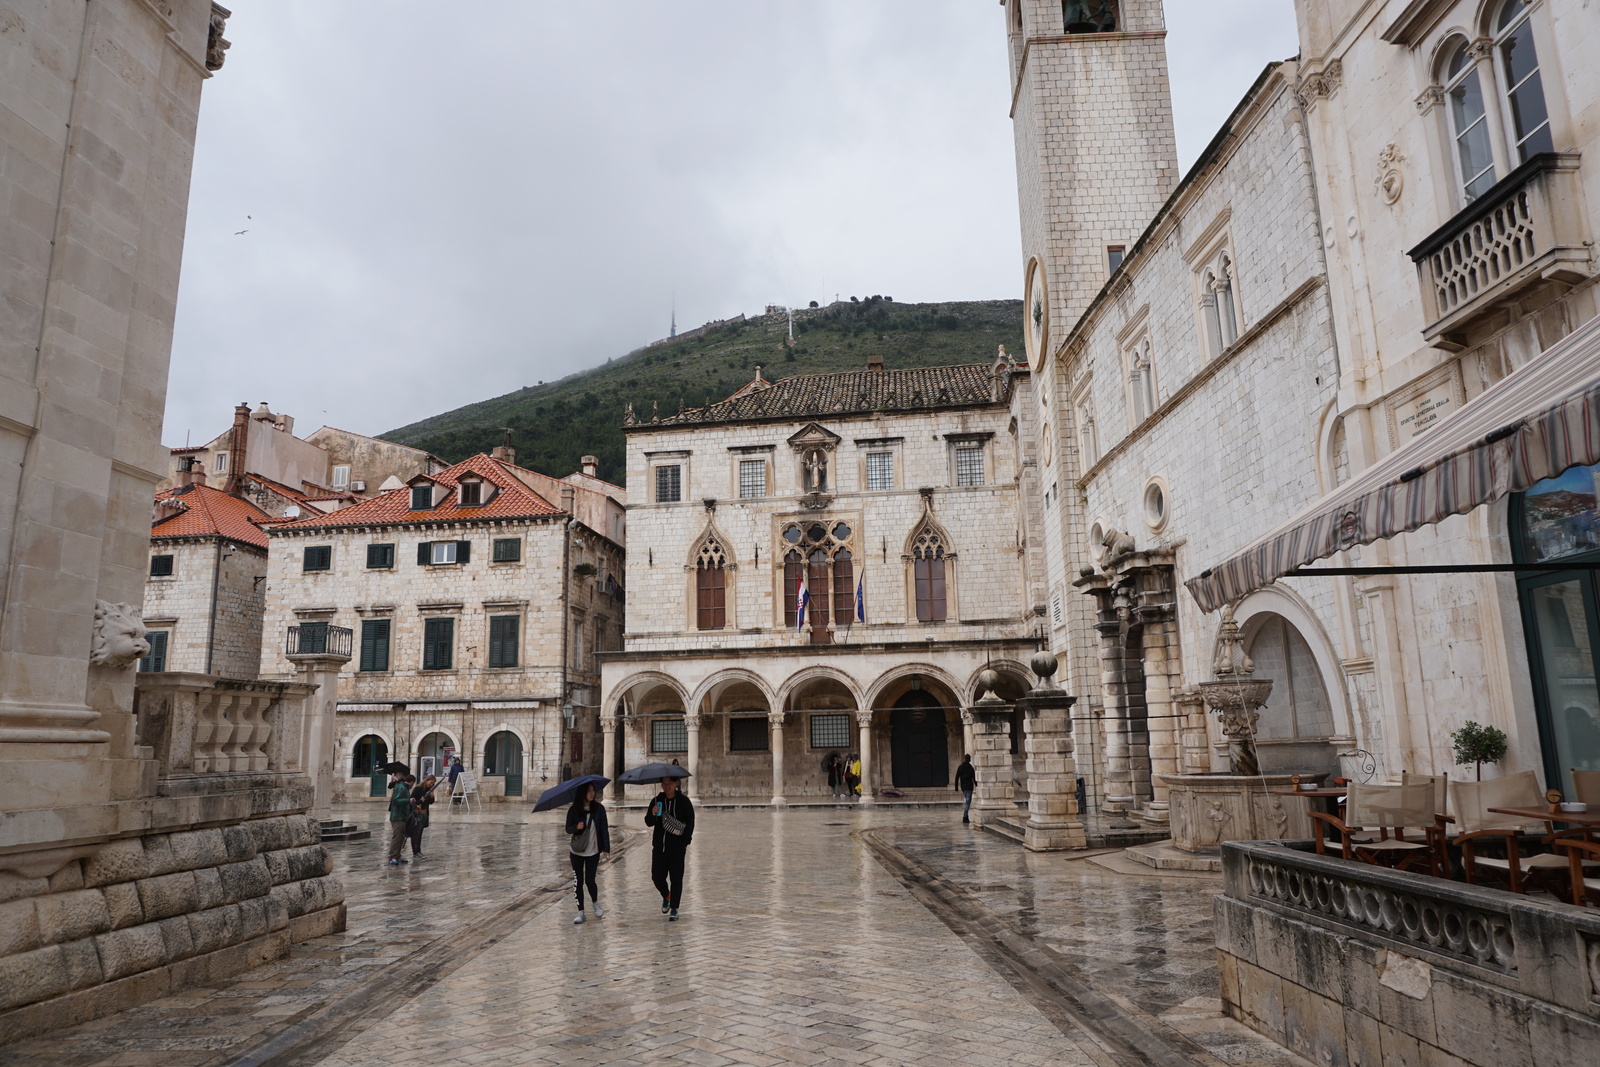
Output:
x=1096 y=155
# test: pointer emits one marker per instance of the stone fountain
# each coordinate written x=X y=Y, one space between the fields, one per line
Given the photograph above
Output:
x=1238 y=804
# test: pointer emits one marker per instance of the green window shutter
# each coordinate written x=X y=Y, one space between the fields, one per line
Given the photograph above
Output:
x=380 y=557
x=318 y=557
x=156 y=661
x=375 y=645
x=424 y=551
x=160 y=565
x=463 y=551
x=507 y=549
x=438 y=644
x=503 y=640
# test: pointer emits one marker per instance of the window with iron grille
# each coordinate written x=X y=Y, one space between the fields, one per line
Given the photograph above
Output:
x=160 y=566
x=504 y=631
x=880 y=470
x=318 y=557
x=374 y=644
x=830 y=731
x=507 y=549
x=969 y=465
x=380 y=557
x=438 y=644
x=752 y=477
x=747 y=735
x=156 y=661
x=668 y=735
x=669 y=484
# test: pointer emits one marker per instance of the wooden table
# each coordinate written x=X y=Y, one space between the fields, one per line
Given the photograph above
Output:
x=1589 y=820
x=1320 y=791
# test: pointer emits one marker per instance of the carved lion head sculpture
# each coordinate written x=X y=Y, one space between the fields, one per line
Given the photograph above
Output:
x=118 y=636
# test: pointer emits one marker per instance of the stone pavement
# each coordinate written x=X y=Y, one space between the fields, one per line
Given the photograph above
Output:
x=809 y=937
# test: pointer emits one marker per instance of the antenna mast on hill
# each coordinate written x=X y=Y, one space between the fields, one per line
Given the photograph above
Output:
x=674 y=332
x=791 y=324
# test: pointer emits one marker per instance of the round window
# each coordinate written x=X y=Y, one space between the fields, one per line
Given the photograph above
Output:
x=1155 y=505
x=816 y=532
x=841 y=532
x=792 y=535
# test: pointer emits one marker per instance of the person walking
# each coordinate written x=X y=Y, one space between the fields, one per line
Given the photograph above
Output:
x=421 y=800
x=399 y=812
x=591 y=839
x=966 y=781
x=672 y=815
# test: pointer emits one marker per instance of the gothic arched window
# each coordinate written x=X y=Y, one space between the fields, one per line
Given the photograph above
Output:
x=711 y=586
x=927 y=564
x=819 y=566
x=1089 y=16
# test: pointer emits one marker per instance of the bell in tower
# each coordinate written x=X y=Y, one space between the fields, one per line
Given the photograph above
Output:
x=1089 y=16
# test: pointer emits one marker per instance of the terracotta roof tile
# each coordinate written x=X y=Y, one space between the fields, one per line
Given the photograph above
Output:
x=512 y=500
x=810 y=396
x=207 y=511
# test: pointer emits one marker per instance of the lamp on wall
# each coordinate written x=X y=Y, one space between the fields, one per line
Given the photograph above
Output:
x=569 y=715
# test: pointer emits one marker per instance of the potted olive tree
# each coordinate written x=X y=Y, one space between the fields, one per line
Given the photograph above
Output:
x=1478 y=745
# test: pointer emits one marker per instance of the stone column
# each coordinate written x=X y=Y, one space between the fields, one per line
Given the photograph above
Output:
x=691 y=724
x=1194 y=747
x=966 y=732
x=320 y=669
x=775 y=720
x=608 y=754
x=991 y=754
x=1054 y=822
x=1162 y=667
x=864 y=726
x=1111 y=625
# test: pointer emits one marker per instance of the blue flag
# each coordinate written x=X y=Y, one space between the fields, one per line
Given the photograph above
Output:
x=861 y=600
x=802 y=600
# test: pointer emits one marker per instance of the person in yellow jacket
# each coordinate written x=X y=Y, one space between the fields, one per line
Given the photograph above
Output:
x=852 y=774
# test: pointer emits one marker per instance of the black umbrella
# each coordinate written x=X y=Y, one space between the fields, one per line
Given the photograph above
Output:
x=565 y=793
x=651 y=772
x=396 y=767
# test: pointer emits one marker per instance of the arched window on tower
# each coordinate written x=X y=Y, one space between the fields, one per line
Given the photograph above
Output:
x=928 y=574
x=1089 y=16
x=711 y=587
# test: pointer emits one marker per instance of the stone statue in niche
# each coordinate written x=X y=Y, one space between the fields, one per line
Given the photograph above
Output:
x=119 y=636
x=816 y=470
x=1090 y=16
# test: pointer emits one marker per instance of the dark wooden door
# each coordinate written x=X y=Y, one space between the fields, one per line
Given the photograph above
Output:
x=919 y=745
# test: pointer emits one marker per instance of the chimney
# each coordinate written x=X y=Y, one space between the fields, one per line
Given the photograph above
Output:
x=875 y=363
x=190 y=472
x=590 y=465
x=238 y=446
x=264 y=414
x=286 y=423
x=504 y=453
x=568 y=496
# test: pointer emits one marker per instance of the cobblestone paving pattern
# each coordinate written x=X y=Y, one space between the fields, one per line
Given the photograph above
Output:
x=796 y=946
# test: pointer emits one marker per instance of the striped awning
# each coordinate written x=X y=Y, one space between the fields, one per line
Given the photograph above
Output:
x=1533 y=424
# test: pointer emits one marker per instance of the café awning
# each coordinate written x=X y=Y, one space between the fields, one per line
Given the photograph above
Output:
x=1531 y=425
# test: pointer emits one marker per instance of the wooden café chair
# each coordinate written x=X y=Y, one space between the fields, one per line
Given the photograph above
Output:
x=1479 y=826
x=1583 y=858
x=1376 y=822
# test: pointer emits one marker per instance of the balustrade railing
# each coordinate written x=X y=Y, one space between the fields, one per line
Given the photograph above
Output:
x=1523 y=230
x=318 y=638
x=201 y=725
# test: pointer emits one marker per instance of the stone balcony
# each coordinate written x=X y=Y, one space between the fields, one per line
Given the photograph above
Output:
x=1526 y=232
x=214 y=734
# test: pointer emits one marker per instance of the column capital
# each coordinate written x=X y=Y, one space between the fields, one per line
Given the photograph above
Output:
x=692 y=722
x=608 y=723
x=864 y=718
x=775 y=719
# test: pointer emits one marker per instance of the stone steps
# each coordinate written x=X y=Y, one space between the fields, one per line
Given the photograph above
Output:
x=339 y=830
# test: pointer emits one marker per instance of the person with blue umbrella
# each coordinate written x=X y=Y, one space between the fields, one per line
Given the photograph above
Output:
x=588 y=829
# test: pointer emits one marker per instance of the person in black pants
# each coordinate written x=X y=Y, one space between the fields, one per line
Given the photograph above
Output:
x=672 y=815
x=966 y=781
x=421 y=801
x=591 y=838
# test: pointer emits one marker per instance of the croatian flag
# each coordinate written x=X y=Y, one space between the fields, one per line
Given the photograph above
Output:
x=861 y=599
x=802 y=600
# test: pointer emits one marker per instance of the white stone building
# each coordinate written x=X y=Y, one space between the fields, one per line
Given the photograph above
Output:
x=910 y=489
x=476 y=599
x=1256 y=334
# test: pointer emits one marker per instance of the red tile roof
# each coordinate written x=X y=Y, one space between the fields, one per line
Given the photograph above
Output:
x=512 y=500
x=210 y=512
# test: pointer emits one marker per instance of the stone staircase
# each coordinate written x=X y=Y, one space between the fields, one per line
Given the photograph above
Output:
x=339 y=830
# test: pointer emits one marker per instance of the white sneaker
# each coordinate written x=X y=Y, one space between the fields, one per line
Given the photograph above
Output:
x=576 y=919
x=599 y=912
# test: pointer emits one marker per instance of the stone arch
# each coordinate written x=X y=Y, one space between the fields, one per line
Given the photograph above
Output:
x=1009 y=670
x=929 y=527
x=795 y=682
x=902 y=673
x=345 y=747
x=645 y=679
x=732 y=675
x=1256 y=609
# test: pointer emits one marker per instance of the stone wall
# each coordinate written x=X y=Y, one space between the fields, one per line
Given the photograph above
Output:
x=144 y=916
x=221 y=637
x=1347 y=963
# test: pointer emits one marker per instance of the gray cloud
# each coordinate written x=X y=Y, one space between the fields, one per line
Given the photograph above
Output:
x=448 y=202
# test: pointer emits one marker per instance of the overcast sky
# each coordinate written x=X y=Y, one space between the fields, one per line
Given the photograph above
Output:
x=446 y=202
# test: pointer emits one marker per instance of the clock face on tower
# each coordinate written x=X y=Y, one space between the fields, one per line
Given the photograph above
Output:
x=1036 y=311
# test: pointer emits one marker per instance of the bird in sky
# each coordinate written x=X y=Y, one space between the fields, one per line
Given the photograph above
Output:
x=238 y=233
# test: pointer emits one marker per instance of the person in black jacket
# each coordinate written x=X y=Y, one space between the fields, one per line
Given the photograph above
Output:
x=966 y=781
x=672 y=815
x=421 y=801
x=591 y=838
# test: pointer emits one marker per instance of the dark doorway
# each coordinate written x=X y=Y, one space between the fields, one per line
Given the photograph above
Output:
x=919 y=743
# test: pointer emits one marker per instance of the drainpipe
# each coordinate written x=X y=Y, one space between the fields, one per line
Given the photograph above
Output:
x=211 y=633
x=567 y=500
